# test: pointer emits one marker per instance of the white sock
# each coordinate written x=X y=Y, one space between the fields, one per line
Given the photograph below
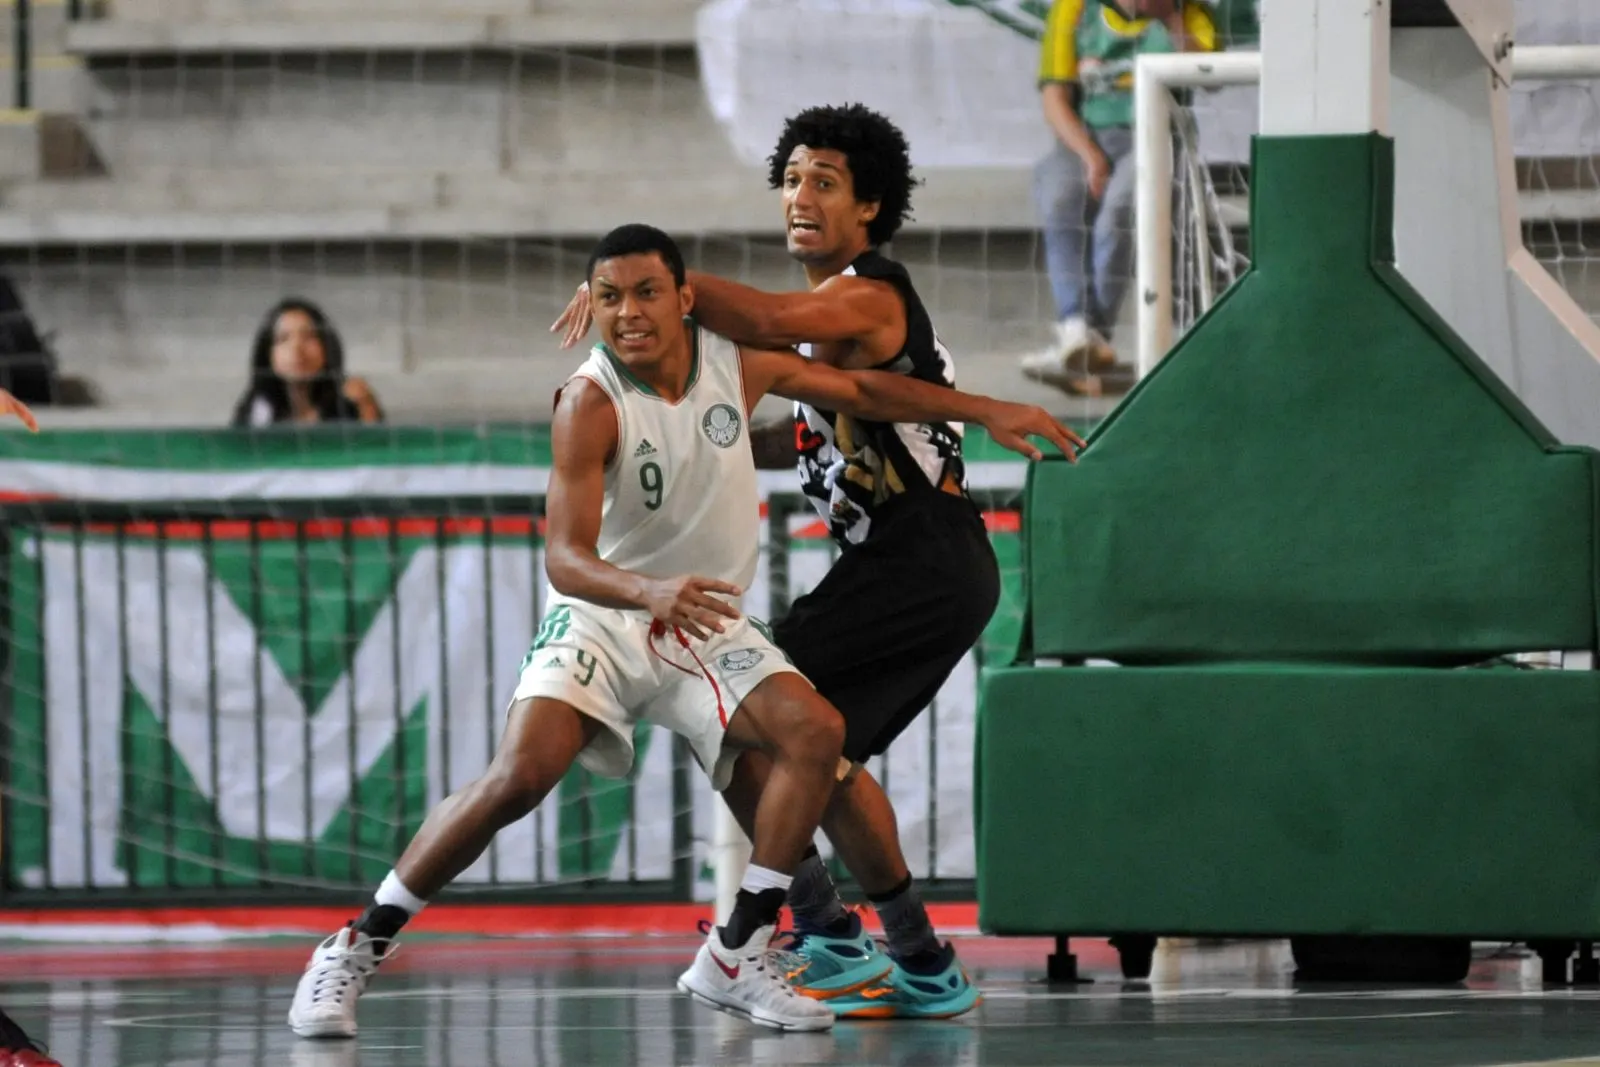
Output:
x=758 y=878
x=394 y=893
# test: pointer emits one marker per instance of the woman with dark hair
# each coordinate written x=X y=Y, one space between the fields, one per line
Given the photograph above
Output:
x=297 y=373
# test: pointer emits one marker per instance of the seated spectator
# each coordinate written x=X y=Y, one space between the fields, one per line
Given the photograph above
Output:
x=1084 y=188
x=297 y=373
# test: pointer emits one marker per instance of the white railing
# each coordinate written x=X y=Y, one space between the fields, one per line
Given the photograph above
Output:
x=1156 y=79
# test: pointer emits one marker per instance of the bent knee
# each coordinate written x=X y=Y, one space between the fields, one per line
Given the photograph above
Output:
x=794 y=722
x=817 y=735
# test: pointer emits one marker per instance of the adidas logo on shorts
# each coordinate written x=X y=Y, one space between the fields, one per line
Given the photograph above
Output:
x=645 y=449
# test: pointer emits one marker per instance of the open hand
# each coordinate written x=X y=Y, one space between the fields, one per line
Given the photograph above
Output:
x=10 y=405
x=688 y=603
x=576 y=319
x=1012 y=424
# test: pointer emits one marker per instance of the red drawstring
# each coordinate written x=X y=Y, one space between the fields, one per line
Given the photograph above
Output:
x=659 y=629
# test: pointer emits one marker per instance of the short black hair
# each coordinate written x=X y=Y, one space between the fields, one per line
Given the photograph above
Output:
x=637 y=239
x=874 y=147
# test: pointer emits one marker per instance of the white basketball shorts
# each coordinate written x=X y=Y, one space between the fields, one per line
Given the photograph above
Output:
x=621 y=668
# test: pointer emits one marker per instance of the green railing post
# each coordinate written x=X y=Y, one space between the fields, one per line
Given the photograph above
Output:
x=22 y=54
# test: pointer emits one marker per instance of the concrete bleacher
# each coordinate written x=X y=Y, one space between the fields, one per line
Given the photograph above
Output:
x=432 y=173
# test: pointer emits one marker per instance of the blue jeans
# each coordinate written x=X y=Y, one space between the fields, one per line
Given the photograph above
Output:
x=1088 y=243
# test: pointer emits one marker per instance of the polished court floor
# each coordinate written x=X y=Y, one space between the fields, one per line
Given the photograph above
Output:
x=570 y=1002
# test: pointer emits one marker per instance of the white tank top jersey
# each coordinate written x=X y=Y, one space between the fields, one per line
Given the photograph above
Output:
x=681 y=495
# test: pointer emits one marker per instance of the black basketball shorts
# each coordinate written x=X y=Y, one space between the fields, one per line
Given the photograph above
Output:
x=886 y=626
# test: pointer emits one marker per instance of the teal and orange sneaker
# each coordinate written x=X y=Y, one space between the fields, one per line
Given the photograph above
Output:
x=941 y=990
x=823 y=964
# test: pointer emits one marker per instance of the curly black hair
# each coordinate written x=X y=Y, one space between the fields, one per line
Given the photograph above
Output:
x=874 y=147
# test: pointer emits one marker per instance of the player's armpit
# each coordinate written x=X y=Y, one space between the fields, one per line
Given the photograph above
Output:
x=583 y=439
x=843 y=308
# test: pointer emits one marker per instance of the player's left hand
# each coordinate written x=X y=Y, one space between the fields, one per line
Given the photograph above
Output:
x=1012 y=424
x=10 y=405
x=576 y=319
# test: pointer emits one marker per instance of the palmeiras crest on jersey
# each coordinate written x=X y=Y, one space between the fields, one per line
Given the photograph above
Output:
x=722 y=425
x=741 y=660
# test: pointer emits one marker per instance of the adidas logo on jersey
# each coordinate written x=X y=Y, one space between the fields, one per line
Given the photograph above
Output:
x=645 y=449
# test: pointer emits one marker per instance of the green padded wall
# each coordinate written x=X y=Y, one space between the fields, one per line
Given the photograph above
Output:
x=1319 y=470
x=1283 y=800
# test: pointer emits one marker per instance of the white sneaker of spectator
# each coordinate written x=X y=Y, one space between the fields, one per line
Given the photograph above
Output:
x=1078 y=349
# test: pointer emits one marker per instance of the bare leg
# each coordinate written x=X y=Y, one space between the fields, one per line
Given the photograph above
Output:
x=859 y=821
x=801 y=736
x=542 y=740
x=734 y=970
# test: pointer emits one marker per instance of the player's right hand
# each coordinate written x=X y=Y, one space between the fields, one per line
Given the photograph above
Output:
x=576 y=319
x=1097 y=172
x=689 y=604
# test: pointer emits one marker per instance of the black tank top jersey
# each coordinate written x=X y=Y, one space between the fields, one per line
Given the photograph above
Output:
x=850 y=467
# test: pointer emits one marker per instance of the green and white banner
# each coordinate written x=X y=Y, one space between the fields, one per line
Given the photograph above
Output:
x=280 y=703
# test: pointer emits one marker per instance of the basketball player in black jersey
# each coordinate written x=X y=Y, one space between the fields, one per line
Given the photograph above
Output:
x=916 y=580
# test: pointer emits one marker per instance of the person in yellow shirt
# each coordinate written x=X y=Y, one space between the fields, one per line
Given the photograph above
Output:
x=1084 y=188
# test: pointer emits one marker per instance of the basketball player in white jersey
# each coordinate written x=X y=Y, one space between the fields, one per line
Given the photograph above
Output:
x=653 y=521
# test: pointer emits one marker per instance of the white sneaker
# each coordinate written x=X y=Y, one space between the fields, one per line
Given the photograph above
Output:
x=325 y=1000
x=1078 y=349
x=746 y=981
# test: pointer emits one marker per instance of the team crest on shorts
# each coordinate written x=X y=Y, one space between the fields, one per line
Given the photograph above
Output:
x=721 y=424
x=742 y=660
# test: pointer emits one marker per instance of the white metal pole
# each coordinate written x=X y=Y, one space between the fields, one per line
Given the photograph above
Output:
x=1544 y=61
x=1152 y=101
x=1207 y=70
x=1152 y=212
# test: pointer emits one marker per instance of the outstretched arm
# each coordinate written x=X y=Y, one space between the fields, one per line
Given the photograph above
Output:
x=843 y=308
x=885 y=397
